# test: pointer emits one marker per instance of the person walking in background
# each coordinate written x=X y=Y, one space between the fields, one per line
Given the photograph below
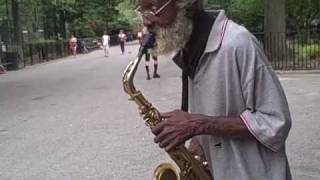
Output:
x=122 y=37
x=84 y=47
x=2 y=69
x=150 y=53
x=140 y=36
x=105 y=43
x=73 y=45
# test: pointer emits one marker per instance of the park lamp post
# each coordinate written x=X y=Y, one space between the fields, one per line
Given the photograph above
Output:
x=7 y=9
x=24 y=41
x=40 y=34
x=25 y=36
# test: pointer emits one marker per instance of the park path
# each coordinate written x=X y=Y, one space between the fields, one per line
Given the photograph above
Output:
x=70 y=119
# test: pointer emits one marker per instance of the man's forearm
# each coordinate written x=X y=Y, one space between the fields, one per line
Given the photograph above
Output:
x=232 y=127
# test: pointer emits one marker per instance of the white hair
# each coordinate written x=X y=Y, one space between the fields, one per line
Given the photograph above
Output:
x=175 y=36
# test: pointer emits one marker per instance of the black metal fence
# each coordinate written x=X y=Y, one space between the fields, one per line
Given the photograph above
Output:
x=292 y=50
x=34 y=53
x=285 y=51
x=14 y=57
x=9 y=56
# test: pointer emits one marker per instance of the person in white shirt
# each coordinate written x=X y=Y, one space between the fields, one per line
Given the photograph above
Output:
x=105 y=44
x=122 y=39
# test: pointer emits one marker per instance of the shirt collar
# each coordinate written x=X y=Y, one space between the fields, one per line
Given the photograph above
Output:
x=217 y=32
x=215 y=37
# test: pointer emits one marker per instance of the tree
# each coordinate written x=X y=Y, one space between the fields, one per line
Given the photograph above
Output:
x=127 y=18
x=16 y=22
x=274 y=15
x=248 y=13
x=4 y=21
x=275 y=28
x=301 y=14
x=92 y=17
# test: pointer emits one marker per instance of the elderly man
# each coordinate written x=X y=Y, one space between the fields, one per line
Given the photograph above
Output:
x=238 y=111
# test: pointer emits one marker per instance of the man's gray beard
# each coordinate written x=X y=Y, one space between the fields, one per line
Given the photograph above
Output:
x=174 y=37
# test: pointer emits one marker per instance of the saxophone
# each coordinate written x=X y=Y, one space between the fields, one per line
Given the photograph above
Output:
x=190 y=167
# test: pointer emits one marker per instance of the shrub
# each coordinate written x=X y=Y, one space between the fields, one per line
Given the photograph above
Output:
x=310 y=51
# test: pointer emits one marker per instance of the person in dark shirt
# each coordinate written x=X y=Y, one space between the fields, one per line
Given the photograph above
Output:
x=148 y=54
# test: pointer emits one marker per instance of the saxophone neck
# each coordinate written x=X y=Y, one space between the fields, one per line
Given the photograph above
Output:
x=129 y=73
x=128 y=76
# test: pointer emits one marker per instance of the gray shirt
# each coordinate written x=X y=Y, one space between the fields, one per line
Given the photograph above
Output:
x=234 y=78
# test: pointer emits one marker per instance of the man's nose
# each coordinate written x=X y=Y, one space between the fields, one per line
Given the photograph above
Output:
x=150 y=19
x=147 y=22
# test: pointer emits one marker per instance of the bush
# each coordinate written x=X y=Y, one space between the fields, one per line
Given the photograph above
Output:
x=310 y=51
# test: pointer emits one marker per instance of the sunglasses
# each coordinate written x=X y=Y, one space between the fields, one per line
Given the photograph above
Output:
x=150 y=12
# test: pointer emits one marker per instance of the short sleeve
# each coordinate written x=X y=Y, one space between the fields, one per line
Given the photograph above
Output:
x=267 y=113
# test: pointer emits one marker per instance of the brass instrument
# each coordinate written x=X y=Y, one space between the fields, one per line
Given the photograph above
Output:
x=190 y=167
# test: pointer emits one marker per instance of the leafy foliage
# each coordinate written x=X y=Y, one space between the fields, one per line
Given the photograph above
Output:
x=300 y=14
x=127 y=17
x=248 y=12
x=86 y=18
x=303 y=14
x=83 y=18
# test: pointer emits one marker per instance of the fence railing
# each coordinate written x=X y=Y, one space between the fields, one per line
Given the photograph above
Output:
x=34 y=53
x=285 y=51
x=16 y=57
x=292 y=50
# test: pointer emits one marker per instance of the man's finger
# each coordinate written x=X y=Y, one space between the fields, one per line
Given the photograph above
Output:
x=166 y=115
x=165 y=142
x=174 y=143
x=161 y=136
x=158 y=128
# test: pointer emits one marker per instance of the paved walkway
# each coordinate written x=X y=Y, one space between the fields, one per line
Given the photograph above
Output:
x=70 y=119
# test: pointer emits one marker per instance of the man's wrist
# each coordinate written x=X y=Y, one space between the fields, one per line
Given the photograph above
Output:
x=232 y=127
x=200 y=124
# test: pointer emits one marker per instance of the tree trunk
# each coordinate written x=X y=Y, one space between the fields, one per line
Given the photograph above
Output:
x=62 y=24
x=16 y=23
x=275 y=29
x=17 y=55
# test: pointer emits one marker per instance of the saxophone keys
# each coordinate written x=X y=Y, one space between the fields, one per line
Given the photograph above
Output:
x=205 y=164
x=197 y=157
x=147 y=124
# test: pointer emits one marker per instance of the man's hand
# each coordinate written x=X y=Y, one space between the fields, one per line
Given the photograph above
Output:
x=176 y=128
x=179 y=126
